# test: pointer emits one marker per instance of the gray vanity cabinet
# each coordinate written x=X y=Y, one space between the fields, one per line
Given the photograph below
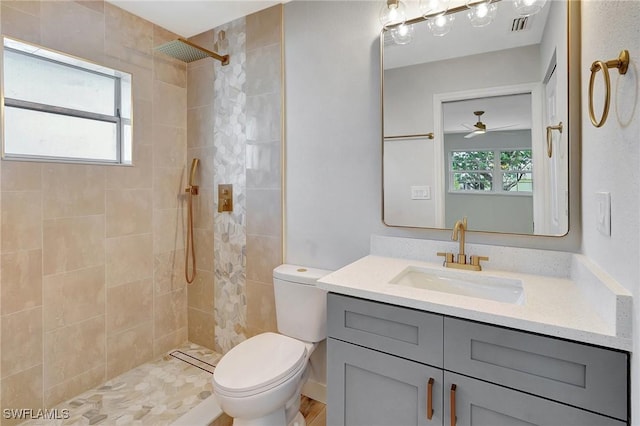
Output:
x=387 y=364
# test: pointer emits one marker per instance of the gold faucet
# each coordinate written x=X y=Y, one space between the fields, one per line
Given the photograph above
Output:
x=459 y=230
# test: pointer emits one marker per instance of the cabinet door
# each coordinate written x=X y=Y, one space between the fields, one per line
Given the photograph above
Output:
x=371 y=388
x=478 y=403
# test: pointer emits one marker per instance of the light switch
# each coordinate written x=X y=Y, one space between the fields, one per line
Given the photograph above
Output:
x=421 y=192
x=603 y=213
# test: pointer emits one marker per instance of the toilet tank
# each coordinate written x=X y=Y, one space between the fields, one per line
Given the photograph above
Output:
x=301 y=307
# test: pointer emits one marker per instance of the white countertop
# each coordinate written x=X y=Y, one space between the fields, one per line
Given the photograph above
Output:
x=554 y=306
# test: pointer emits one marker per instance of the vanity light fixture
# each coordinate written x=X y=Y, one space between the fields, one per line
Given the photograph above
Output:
x=402 y=34
x=433 y=8
x=440 y=25
x=481 y=13
x=528 y=7
x=393 y=12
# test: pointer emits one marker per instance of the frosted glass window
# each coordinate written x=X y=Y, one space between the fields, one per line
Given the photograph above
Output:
x=61 y=108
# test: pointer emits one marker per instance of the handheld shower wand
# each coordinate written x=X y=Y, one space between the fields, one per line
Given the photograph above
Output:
x=191 y=190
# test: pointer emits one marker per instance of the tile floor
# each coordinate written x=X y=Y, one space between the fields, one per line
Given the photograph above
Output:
x=156 y=393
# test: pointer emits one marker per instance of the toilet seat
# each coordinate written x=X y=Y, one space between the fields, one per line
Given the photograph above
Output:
x=259 y=364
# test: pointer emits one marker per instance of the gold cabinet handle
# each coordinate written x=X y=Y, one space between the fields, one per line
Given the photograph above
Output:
x=622 y=64
x=430 y=398
x=453 y=404
x=550 y=139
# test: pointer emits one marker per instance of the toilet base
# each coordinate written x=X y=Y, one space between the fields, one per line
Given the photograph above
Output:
x=298 y=420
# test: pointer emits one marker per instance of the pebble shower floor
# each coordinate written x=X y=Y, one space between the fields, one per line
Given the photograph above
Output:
x=155 y=393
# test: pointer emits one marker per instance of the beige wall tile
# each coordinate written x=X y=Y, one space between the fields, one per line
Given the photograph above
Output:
x=22 y=390
x=264 y=71
x=168 y=230
x=203 y=209
x=138 y=176
x=21 y=220
x=261 y=308
x=124 y=29
x=264 y=212
x=204 y=39
x=21 y=341
x=142 y=122
x=170 y=312
x=263 y=254
x=129 y=349
x=200 y=89
x=140 y=66
x=73 y=243
x=129 y=259
x=129 y=212
x=204 y=249
x=71 y=190
x=20 y=24
x=21 y=277
x=74 y=29
x=201 y=328
x=72 y=297
x=169 y=70
x=168 y=271
x=96 y=5
x=264 y=27
x=168 y=187
x=170 y=105
x=200 y=293
x=21 y=176
x=74 y=386
x=73 y=350
x=129 y=305
x=200 y=126
x=163 y=344
x=171 y=143
x=26 y=6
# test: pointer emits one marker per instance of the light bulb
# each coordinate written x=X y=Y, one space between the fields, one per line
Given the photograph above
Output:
x=481 y=14
x=528 y=7
x=433 y=8
x=402 y=34
x=440 y=25
x=392 y=13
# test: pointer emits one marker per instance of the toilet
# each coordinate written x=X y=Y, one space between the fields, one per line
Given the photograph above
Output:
x=258 y=382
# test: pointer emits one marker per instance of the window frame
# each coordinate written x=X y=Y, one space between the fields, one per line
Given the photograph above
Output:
x=496 y=174
x=62 y=59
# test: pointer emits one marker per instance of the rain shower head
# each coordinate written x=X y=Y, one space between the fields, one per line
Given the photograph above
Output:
x=186 y=51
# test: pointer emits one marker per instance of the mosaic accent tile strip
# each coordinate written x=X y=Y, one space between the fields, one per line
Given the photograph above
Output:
x=155 y=393
x=230 y=238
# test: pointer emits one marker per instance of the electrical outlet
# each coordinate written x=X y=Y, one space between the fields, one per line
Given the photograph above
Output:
x=421 y=192
x=603 y=213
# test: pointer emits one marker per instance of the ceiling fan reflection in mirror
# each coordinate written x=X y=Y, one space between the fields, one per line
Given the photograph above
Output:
x=480 y=128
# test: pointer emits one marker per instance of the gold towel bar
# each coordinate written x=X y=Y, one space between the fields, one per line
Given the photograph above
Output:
x=622 y=63
x=422 y=135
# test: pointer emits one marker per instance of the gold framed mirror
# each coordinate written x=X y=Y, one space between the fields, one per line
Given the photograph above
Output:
x=483 y=122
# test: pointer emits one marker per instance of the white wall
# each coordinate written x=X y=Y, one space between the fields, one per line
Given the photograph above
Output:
x=611 y=155
x=333 y=139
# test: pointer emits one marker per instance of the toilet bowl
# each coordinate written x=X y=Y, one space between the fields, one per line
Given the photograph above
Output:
x=258 y=382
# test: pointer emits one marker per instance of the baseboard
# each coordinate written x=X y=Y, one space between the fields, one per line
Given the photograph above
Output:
x=315 y=390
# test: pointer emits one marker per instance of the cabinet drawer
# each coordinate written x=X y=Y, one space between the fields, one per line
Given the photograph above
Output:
x=479 y=403
x=584 y=376
x=405 y=332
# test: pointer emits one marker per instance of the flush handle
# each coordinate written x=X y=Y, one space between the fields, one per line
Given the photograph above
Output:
x=430 y=398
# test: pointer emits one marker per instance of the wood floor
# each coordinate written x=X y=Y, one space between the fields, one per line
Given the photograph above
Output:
x=314 y=413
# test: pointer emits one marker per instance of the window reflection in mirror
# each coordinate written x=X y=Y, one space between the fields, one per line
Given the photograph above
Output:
x=487 y=94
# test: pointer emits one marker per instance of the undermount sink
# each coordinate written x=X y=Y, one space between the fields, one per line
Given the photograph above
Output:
x=505 y=290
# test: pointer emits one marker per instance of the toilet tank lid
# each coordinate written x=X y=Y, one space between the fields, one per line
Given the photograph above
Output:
x=299 y=274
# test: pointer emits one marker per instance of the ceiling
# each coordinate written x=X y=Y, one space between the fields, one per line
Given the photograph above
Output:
x=191 y=17
x=510 y=112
